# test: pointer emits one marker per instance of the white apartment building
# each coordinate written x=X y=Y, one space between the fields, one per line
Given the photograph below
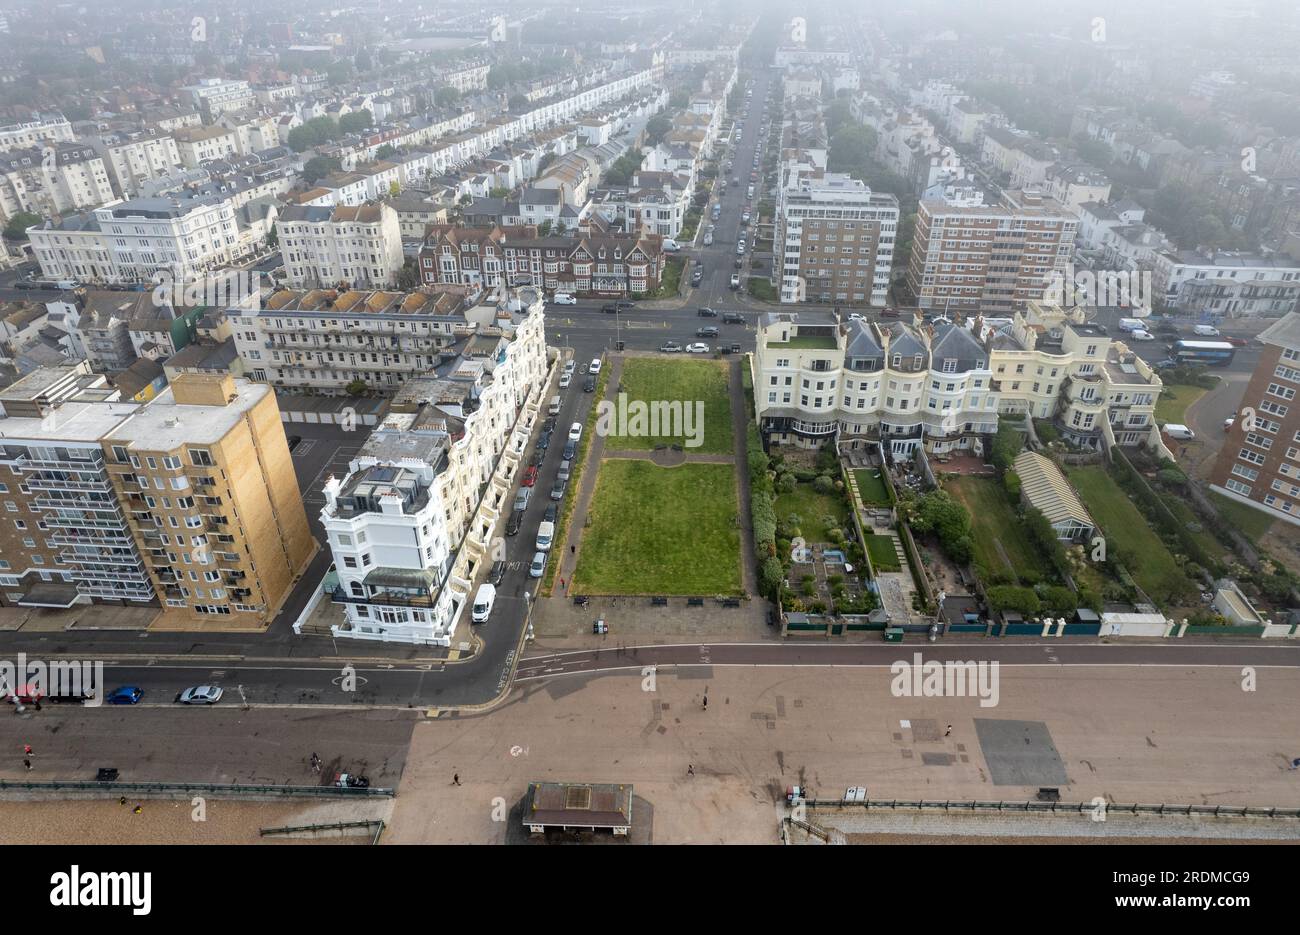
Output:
x=53 y=179
x=1232 y=285
x=418 y=508
x=253 y=132
x=214 y=96
x=50 y=128
x=132 y=241
x=197 y=145
x=325 y=246
x=835 y=236
x=137 y=158
x=902 y=385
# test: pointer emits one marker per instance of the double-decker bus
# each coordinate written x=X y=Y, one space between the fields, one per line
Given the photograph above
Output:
x=1210 y=353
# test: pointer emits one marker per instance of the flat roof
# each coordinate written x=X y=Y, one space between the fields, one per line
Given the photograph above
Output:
x=71 y=422
x=165 y=425
x=579 y=805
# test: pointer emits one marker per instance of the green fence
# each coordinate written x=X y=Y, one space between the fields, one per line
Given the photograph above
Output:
x=193 y=788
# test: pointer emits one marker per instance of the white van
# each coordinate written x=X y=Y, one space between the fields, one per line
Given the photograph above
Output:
x=670 y=245
x=1207 y=331
x=1180 y=432
x=483 y=601
x=1131 y=324
x=554 y=408
x=545 y=534
x=750 y=192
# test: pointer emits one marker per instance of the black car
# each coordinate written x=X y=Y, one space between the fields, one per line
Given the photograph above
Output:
x=497 y=573
x=609 y=309
x=709 y=331
x=708 y=313
x=570 y=449
x=733 y=318
x=551 y=512
x=549 y=424
x=589 y=385
x=625 y=306
x=516 y=520
x=543 y=441
x=557 y=492
x=537 y=458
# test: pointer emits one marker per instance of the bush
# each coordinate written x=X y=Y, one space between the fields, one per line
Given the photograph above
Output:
x=823 y=484
x=786 y=483
x=1011 y=481
x=770 y=575
x=1021 y=600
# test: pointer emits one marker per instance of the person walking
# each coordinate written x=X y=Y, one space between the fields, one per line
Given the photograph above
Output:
x=706 y=702
x=28 y=764
x=690 y=769
x=455 y=779
x=27 y=750
x=573 y=550
x=948 y=731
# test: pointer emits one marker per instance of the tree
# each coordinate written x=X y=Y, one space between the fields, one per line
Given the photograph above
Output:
x=16 y=229
x=318 y=167
x=518 y=103
x=446 y=96
x=656 y=128
x=314 y=132
x=547 y=158
x=356 y=121
x=408 y=277
x=385 y=151
x=679 y=99
x=851 y=150
x=356 y=388
x=500 y=191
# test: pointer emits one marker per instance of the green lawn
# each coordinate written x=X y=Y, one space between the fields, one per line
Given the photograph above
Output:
x=872 y=487
x=994 y=521
x=656 y=530
x=761 y=289
x=1252 y=523
x=1173 y=402
x=883 y=556
x=1186 y=515
x=809 y=342
x=683 y=381
x=1124 y=527
x=812 y=507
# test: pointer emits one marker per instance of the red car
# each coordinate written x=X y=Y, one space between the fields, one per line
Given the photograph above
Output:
x=1236 y=342
x=530 y=477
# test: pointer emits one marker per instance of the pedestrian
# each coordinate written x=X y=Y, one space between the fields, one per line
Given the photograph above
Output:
x=122 y=800
x=573 y=550
x=27 y=749
x=138 y=810
x=455 y=779
x=948 y=731
x=690 y=769
x=706 y=702
x=28 y=764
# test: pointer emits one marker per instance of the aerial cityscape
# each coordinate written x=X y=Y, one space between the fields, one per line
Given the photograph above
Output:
x=657 y=423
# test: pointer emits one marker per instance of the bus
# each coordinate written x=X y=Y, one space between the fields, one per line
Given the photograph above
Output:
x=1210 y=353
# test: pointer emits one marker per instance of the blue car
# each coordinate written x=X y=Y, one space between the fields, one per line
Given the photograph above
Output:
x=127 y=694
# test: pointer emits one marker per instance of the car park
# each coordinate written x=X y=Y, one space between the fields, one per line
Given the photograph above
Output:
x=200 y=694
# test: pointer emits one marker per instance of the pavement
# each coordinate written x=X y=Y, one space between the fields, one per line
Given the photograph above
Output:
x=1128 y=733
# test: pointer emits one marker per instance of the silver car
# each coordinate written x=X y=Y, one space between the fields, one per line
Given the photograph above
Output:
x=538 y=567
x=200 y=694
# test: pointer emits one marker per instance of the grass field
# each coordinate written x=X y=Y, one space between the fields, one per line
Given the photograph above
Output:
x=872 y=487
x=1173 y=402
x=660 y=530
x=994 y=521
x=1252 y=523
x=883 y=556
x=811 y=506
x=1124 y=527
x=686 y=381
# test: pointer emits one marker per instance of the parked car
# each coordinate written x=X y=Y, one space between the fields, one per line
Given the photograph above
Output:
x=565 y=470
x=545 y=536
x=697 y=348
x=549 y=424
x=498 y=572
x=543 y=441
x=483 y=601
x=575 y=431
x=126 y=694
x=570 y=451
x=707 y=313
x=512 y=525
x=530 y=477
x=538 y=567
x=557 y=491
x=594 y=368
x=522 y=497
x=670 y=347
x=697 y=277
x=565 y=379
x=1229 y=422
x=589 y=385
x=570 y=365
x=740 y=248
x=563 y=298
x=1178 y=431
x=537 y=457
x=552 y=511
x=200 y=694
